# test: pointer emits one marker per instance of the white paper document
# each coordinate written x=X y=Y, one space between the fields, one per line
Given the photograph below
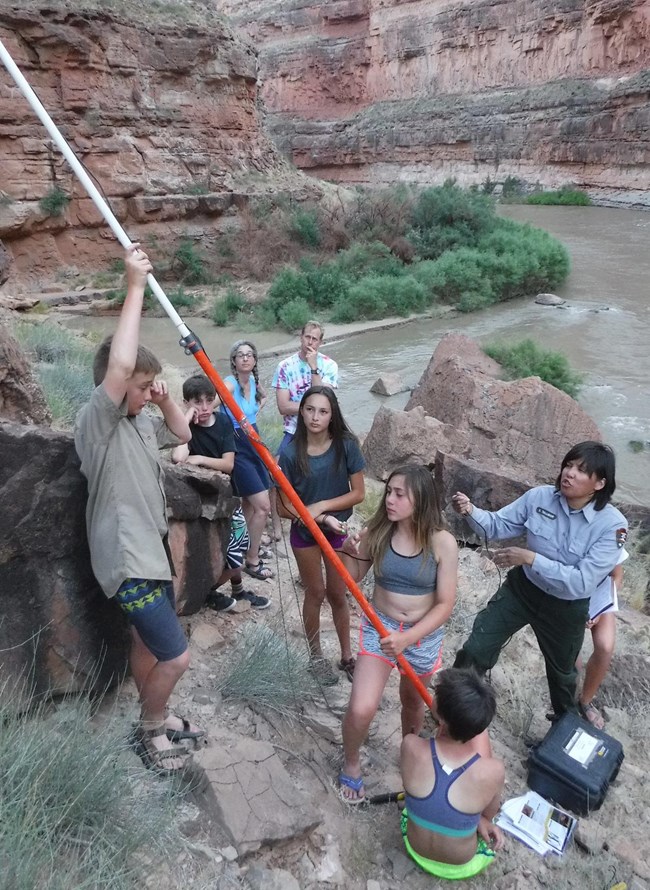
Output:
x=536 y=822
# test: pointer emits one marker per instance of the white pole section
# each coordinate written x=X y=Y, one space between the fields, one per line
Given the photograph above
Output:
x=86 y=181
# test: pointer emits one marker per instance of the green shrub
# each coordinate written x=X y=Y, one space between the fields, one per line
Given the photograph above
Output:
x=54 y=202
x=294 y=315
x=376 y=296
x=180 y=299
x=448 y=217
x=512 y=187
x=564 y=196
x=374 y=258
x=304 y=227
x=225 y=310
x=526 y=359
x=118 y=295
x=457 y=275
x=189 y=265
x=76 y=808
x=317 y=287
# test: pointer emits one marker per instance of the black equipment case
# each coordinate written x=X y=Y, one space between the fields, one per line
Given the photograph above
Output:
x=574 y=764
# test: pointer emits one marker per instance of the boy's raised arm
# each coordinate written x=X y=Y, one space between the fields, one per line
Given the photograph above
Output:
x=124 y=347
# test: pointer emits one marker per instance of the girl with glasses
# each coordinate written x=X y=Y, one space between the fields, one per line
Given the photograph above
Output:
x=250 y=478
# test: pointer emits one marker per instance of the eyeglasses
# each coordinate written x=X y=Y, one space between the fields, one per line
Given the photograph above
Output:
x=244 y=355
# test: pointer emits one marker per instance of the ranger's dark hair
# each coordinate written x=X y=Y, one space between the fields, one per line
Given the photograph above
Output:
x=145 y=362
x=596 y=459
x=465 y=701
x=197 y=386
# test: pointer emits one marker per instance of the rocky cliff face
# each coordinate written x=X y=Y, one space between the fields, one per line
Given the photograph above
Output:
x=374 y=91
x=163 y=116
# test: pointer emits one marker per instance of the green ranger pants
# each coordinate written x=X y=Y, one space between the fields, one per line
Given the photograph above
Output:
x=559 y=626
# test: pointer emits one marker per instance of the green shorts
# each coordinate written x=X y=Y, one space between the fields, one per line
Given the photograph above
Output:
x=484 y=856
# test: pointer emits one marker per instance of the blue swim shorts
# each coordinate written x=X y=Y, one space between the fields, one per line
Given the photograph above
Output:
x=249 y=475
x=425 y=656
x=151 y=609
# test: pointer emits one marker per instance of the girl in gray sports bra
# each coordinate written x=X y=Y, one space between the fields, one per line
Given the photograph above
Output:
x=410 y=575
x=415 y=561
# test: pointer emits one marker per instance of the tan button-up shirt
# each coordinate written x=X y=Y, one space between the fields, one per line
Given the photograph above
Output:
x=126 y=515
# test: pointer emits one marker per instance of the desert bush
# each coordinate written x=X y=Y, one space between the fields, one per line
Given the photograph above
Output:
x=380 y=214
x=526 y=359
x=317 y=287
x=224 y=310
x=564 y=196
x=373 y=258
x=181 y=299
x=456 y=277
x=188 y=264
x=294 y=315
x=77 y=810
x=512 y=187
x=448 y=217
x=54 y=202
x=376 y=296
x=304 y=227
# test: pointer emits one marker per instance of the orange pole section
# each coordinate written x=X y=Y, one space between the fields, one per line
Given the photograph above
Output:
x=226 y=397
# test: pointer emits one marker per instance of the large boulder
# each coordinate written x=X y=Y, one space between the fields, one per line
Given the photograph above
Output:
x=21 y=397
x=488 y=437
x=526 y=425
x=58 y=631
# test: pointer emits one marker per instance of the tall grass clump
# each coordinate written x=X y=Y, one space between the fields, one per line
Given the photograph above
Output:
x=268 y=669
x=527 y=359
x=63 y=366
x=76 y=809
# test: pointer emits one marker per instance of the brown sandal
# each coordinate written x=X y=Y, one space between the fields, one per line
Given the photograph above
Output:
x=153 y=758
x=592 y=715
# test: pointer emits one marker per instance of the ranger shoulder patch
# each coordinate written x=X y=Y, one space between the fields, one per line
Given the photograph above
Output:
x=621 y=537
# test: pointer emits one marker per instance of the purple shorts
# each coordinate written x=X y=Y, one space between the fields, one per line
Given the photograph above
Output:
x=301 y=538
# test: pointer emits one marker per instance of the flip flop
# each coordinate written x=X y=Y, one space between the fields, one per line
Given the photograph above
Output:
x=176 y=735
x=353 y=784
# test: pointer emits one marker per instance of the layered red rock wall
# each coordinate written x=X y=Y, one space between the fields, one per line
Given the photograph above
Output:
x=163 y=117
x=372 y=91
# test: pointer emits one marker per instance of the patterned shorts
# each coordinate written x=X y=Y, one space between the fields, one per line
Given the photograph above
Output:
x=151 y=609
x=425 y=656
x=239 y=541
